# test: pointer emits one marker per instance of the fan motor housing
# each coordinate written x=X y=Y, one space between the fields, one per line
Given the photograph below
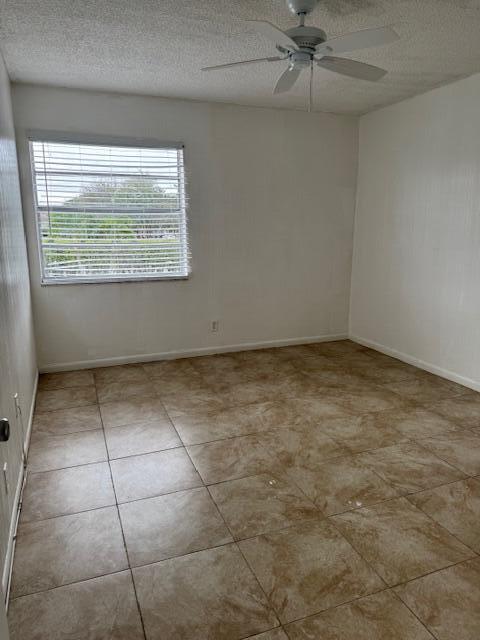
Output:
x=306 y=37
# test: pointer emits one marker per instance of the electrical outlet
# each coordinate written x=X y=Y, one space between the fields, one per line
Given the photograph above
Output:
x=214 y=326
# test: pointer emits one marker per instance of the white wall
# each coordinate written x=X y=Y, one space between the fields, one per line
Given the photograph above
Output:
x=416 y=267
x=271 y=223
x=17 y=350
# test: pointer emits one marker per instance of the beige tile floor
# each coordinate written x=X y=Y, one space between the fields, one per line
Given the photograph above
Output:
x=314 y=492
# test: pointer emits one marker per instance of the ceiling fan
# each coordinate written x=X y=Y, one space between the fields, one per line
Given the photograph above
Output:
x=303 y=47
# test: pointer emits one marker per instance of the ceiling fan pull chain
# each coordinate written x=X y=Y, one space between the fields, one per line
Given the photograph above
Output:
x=310 y=98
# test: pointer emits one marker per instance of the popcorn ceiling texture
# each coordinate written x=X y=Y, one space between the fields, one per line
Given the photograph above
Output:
x=157 y=47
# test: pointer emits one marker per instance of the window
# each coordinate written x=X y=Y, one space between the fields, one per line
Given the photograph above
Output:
x=109 y=213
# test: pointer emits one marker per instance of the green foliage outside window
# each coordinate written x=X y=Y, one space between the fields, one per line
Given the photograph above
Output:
x=77 y=237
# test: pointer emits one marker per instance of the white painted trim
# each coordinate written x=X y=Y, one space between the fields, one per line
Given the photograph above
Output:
x=69 y=137
x=7 y=570
x=30 y=415
x=186 y=353
x=421 y=364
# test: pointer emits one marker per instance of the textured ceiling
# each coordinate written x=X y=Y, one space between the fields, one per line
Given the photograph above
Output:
x=156 y=47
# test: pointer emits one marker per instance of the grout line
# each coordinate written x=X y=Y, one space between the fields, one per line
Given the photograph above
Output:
x=286 y=478
x=70 y=584
x=280 y=399
x=121 y=528
x=38 y=412
x=360 y=555
x=337 y=606
x=434 y=453
x=183 y=555
x=290 y=481
x=475 y=554
x=430 y=573
x=144 y=453
x=395 y=594
x=159 y=495
x=233 y=538
x=66 y=515
x=43 y=436
x=437 y=486
x=73 y=466
x=262 y=590
x=432 y=404
x=261 y=633
x=223 y=519
x=430 y=452
x=70 y=388
x=346 y=454
x=439 y=524
x=349 y=602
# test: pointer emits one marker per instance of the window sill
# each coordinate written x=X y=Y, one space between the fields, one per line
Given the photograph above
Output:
x=49 y=283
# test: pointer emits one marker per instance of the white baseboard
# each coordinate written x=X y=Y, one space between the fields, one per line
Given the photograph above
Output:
x=7 y=570
x=186 y=353
x=421 y=364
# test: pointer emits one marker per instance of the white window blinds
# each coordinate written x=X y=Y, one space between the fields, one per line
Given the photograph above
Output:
x=109 y=213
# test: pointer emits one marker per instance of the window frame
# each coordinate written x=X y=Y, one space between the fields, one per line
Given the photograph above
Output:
x=109 y=141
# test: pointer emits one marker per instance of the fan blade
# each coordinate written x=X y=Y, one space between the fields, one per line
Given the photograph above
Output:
x=273 y=33
x=235 y=64
x=287 y=80
x=352 y=68
x=359 y=40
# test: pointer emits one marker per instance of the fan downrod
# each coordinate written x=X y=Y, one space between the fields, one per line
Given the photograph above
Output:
x=301 y=7
x=306 y=38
